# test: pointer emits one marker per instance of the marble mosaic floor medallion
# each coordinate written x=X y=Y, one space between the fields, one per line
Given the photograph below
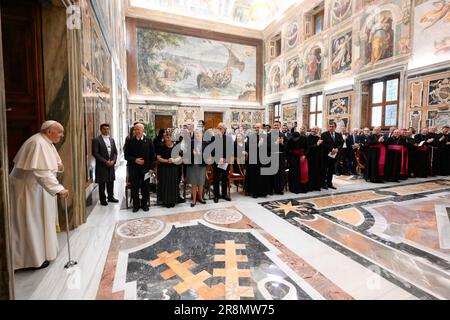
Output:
x=140 y=228
x=223 y=216
x=216 y=255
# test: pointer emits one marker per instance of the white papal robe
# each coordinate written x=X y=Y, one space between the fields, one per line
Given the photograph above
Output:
x=34 y=208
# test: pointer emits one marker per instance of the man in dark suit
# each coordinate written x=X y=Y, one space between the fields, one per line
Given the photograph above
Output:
x=140 y=154
x=105 y=153
x=332 y=142
x=222 y=156
x=353 y=145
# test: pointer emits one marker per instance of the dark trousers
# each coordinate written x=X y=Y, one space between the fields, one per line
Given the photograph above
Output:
x=220 y=177
x=109 y=186
x=138 y=184
x=330 y=169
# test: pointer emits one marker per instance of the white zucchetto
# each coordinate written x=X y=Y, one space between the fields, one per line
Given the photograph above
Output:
x=48 y=124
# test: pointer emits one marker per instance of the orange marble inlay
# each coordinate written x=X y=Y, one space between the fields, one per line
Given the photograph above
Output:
x=418 y=188
x=350 y=215
x=231 y=272
x=339 y=200
x=190 y=281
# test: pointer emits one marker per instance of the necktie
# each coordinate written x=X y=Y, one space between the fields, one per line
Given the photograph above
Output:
x=332 y=136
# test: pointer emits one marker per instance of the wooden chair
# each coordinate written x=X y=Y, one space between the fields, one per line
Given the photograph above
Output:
x=128 y=198
x=209 y=179
x=127 y=190
x=236 y=174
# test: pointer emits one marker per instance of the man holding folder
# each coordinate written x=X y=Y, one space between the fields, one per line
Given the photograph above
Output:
x=332 y=142
x=140 y=154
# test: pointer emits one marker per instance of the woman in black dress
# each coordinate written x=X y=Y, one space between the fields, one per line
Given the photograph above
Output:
x=168 y=168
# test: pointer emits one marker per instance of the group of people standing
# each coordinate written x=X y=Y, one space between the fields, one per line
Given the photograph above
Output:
x=307 y=161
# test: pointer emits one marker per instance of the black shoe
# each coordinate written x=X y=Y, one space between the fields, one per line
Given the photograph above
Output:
x=113 y=200
x=226 y=198
x=325 y=187
x=103 y=203
x=145 y=208
x=192 y=205
x=181 y=200
x=255 y=196
x=135 y=209
x=43 y=266
x=202 y=201
x=332 y=187
x=216 y=200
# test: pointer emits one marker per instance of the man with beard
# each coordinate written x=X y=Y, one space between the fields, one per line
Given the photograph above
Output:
x=298 y=164
x=396 y=157
x=376 y=157
x=256 y=184
x=332 y=143
x=314 y=154
x=423 y=154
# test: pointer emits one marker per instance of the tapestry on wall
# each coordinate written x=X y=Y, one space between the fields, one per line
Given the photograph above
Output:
x=177 y=65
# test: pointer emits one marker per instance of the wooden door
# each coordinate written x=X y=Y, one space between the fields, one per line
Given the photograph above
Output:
x=163 y=122
x=212 y=119
x=23 y=71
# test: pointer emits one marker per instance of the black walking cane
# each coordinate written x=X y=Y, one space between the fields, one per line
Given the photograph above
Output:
x=71 y=262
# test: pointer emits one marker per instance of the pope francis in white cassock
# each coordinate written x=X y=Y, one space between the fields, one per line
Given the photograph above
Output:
x=34 y=209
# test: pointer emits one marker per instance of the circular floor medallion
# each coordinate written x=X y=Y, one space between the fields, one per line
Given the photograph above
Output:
x=140 y=228
x=223 y=216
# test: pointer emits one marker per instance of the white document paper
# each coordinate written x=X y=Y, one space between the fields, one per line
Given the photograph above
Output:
x=147 y=176
x=422 y=143
x=223 y=166
x=331 y=155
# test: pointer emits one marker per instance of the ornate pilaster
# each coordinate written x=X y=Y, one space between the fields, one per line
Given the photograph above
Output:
x=6 y=269
x=76 y=123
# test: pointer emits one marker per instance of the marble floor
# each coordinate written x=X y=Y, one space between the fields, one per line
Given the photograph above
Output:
x=361 y=241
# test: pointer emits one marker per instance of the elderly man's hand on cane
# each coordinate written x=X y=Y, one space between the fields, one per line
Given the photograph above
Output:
x=63 y=194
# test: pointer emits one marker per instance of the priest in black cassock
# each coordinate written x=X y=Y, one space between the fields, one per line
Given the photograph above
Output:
x=314 y=154
x=422 y=143
x=396 y=157
x=435 y=150
x=332 y=143
x=297 y=148
x=376 y=157
x=444 y=161
x=256 y=184
x=279 y=151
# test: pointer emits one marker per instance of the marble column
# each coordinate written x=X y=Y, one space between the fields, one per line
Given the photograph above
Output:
x=6 y=269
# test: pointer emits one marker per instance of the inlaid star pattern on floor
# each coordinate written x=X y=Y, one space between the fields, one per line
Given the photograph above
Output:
x=291 y=208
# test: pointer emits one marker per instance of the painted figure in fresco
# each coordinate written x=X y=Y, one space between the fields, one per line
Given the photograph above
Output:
x=313 y=65
x=293 y=74
x=221 y=79
x=342 y=56
x=341 y=7
x=275 y=79
x=380 y=38
x=442 y=12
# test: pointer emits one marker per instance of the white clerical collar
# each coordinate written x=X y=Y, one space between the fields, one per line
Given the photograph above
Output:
x=105 y=137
